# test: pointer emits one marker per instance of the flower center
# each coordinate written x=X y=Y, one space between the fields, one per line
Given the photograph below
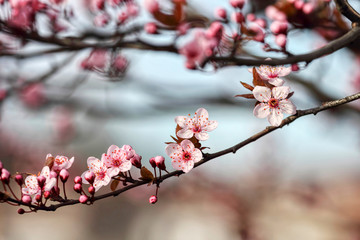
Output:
x=186 y=156
x=116 y=163
x=273 y=103
x=196 y=129
x=100 y=175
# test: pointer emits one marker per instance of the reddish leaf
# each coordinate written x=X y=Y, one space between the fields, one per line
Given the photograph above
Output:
x=257 y=81
x=114 y=184
x=290 y=95
x=248 y=96
x=247 y=86
x=146 y=174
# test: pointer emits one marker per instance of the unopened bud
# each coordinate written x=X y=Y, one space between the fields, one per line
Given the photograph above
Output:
x=19 y=179
x=91 y=190
x=21 y=211
x=41 y=181
x=153 y=199
x=83 y=199
x=26 y=199
x=64 y=175
x=237 y=3
x=152 y=162
x=221 y=13
x=160 y=162
x=5 y=176
x=150 y=28
x=46 y=194
x=90 y=177
x=295 y=67
x=77 y=187
x=136 y=160
x=38 y=198
x=78 y=179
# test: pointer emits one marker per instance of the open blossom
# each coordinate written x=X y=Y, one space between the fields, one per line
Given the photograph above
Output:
x=61 y=162
x=273 y=103
x=32 y=185
x=183 y=155
x=199 y=125
x=118 y=159
x=102 y=173
x=272 y=74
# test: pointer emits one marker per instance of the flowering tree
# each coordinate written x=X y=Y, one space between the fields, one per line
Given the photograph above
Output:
x=33 y=28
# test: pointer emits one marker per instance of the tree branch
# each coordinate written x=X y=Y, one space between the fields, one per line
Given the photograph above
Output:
x=207 y=157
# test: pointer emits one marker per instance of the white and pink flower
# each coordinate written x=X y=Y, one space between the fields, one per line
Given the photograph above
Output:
x=183 y=155
x=118 y=159
x=32 y=186
x=272 y=74
x=199 y=125
x=273 y=103
x=102 y=173
x=61 y=162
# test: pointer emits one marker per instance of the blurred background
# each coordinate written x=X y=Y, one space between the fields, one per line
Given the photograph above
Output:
x=299 y=182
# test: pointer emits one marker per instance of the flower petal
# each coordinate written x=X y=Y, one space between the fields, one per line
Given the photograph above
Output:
x=181 y=165
x=280 y=92
x=45 y=172
x=185 y=133
x=275 y=118
x=196 y=155
x=287 y=106
x=93 y=163
x=50 y=184
x=182 y=121
x=276 y=81
x=125 y=166
x=284 y=71
x=83 y=177
x=262 y=94
x=262 y=110
x=201 y=114
x=210 y=125
x=113 y=171
x=187 y=146
x=174 y=151
x=112 y=149
x=202 y=136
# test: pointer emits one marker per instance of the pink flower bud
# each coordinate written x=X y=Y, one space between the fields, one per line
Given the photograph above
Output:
x=78 y=179
x=278 y=27
x=136 y=160
x=122 y=17
x=83 y=199
x=153 y=199
x=160 y=162
x=100 y=4
x=152 y=162
x=275 y=14
x=261 y=22
x=259 y=33
x=38 y=198
x=299 y=4
x=78 y=188
x=237 y=17
x=151 y=5
x=64 y=175
x=150 y=28
x=280 y=40
x=90 y=177
x=46 y=194
x=41 y=181
x=251 y=17
x=5 y=176
x=26 y=199
x=308 y=8
x=237 y=3
x=91 y=190
x=221 y=13
x=19 y=179
x=183 y=28
x=21 y=211
x=53 y=174
x=295 y=67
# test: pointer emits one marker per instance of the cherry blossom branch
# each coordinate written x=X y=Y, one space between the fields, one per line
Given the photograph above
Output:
x=348 y=11
x=207 y=157
x=341 y=42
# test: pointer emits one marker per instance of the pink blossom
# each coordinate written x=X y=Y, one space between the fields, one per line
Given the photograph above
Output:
x=251 y=17
x=61 y=162
x=273 y=103
x=151 y=5
x=281 y=40
x=275 y=14
x=183 y=155
x=199 y=48
x=272 y=74
x=308 y=8
x=153 y=199
x=237 y=3
x=33 y=95
x=96 y=60
x=100 y=170
x=220 y=13
x=199 y=125
x=32 y=184
x=150 y=28
x=278 y=27
x=258 y=31
x=117 y=159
